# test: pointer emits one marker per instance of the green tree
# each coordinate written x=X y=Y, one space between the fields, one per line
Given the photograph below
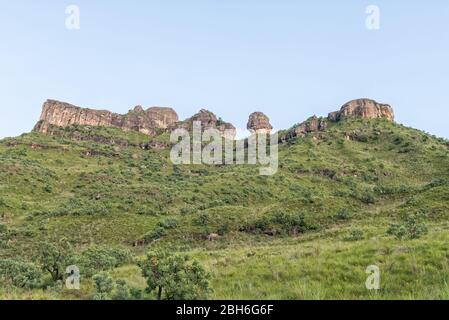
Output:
x=54 y=257
x=174 y=276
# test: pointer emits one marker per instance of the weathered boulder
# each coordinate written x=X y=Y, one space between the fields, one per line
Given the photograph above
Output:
x=63 y=114
x=259 y=123
x=363 y=108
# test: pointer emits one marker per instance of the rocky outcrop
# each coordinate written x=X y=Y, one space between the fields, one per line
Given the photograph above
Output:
x=148 y=121
x=360 y=108
x=363 y=108
x=156 y=120
x=210 y=121
x=259 y=123
x=311 y=125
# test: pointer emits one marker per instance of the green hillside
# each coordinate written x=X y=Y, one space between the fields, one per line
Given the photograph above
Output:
x=364 y=192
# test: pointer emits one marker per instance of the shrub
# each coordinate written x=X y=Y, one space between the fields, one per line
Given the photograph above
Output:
x=121 y=290
x=122 y=256
x=100 y=296
x=97 y=259
x=174 y=277
x=280 y=221
x=368 y=198
x=201 y=220
x=78 y=207
x=155 y=234
x=136 y=293
x=413 y=227
x=20 y=274
x=169 y=223
x=355 y=235
x=343 y=214
x=103 y=283
x=186 y=211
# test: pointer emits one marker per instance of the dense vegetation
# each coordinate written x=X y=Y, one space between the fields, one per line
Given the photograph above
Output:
x=365 y=192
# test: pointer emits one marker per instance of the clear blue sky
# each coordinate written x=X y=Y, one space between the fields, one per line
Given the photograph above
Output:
x=288 y=59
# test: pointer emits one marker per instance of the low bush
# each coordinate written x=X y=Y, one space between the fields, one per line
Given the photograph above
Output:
x=155 y=234
x=412 y=227
x=355 y=235
x=343 y=214
x=104 y=284
x=20 y=274
x=280 y=222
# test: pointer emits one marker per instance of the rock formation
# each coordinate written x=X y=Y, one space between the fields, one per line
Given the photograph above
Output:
x=363 y=108
x=313 y=124
x=360 y=108
x=148 y=121
x=259 y=123
x=155 y=120
x=210 y=121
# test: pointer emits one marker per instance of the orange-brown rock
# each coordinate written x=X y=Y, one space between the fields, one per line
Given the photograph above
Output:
x=363 y=108
x=148 y=121
x=259 y=123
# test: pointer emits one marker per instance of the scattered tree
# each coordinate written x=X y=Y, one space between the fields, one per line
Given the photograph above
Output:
x=54 y=258
x=174 y=276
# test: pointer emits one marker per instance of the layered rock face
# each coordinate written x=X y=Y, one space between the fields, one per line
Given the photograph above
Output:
x=210 y=121
x=363 y=108
x=259 y=123
x=146 y=121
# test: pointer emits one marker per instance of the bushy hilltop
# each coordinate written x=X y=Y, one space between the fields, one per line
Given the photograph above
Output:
x=352 y=190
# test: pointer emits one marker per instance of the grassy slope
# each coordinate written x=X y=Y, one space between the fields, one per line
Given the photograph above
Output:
x=94 y=193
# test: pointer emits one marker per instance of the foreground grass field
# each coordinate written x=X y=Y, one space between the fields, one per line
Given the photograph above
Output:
x=308 y=232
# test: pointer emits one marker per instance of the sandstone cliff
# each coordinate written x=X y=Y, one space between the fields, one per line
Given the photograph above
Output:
x=363 y=108
x=148 y=121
